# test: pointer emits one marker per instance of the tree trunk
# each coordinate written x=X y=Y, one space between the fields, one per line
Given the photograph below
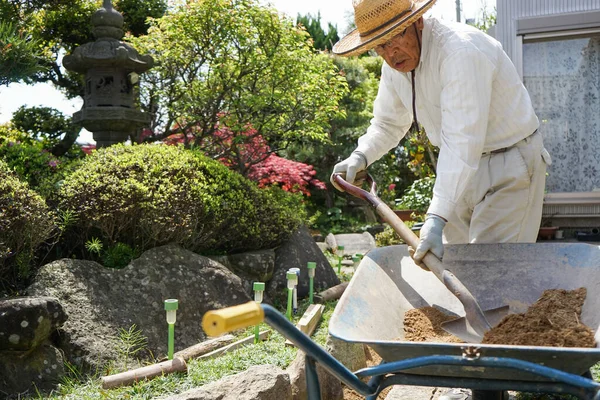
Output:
x=62 y=147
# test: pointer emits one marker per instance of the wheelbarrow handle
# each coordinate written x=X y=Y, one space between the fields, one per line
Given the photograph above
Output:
x=217 y=322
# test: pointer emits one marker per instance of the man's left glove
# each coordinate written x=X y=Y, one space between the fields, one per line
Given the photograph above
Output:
x=430 y=238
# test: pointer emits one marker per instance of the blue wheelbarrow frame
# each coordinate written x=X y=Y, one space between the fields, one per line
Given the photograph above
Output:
x=387 y=283
x=389 y=374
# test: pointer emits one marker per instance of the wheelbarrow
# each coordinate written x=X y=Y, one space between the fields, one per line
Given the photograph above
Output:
x=387 y=283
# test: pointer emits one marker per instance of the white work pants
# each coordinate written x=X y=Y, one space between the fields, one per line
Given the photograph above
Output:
x=503 y=203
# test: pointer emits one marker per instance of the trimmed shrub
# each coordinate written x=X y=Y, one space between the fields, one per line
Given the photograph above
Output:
x=149 y=195
x=25 y=223
x=31 y=161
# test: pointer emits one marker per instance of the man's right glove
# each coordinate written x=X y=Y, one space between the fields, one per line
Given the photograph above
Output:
x=430 y=238
x=349 y=168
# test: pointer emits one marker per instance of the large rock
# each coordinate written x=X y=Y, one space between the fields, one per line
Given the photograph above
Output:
x=331 y=387
x=296 y=252
x=263 y=382
x=414 y=393
x=26 y=322
x=257 y=265
x=354 y=243
x=252 y=266
x=101 y=301
x=352 y=355
x=22 y=371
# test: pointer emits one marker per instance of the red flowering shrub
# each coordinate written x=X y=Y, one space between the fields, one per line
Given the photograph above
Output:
x=249 y=154
x=291 y=176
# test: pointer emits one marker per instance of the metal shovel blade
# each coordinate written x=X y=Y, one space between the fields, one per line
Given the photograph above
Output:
x=461 y=328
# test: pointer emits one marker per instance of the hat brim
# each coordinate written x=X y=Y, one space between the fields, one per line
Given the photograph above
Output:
x=353 y=44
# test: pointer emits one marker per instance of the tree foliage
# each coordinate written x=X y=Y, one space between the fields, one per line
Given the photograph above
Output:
x=345 y=128
x=19 y=54
x=321 y=40
x=47 y=125
x=58 y=27
x=136 y=14
x=240 y=64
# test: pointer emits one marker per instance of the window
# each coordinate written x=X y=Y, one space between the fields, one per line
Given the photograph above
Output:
x=562 y=75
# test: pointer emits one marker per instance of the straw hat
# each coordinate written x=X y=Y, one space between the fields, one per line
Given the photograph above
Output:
x=377 y=21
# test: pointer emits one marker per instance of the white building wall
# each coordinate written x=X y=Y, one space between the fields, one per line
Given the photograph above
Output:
x=509 y=11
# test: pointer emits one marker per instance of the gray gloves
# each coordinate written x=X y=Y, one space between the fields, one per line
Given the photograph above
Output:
x=349 y=168
x=430 y=238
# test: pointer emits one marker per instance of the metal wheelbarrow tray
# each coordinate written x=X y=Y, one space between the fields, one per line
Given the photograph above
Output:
x=387 y=284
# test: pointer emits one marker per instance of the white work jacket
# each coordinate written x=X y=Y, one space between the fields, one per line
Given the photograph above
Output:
x=469 y=98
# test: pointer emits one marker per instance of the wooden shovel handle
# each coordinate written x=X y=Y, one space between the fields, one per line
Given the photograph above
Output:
x=389 y=216
x=473 y=311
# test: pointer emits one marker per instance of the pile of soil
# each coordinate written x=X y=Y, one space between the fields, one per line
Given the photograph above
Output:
x=425 y=325
x=553 y=320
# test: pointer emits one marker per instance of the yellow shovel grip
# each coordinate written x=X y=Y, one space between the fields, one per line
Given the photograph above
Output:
x=228 y=319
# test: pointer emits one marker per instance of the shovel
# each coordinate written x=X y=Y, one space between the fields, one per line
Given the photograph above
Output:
x=476 y=322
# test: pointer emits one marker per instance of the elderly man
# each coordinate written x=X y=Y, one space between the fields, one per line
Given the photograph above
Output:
x=469 y=98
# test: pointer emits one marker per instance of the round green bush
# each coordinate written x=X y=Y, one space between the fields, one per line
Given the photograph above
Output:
x=32 y=162
x=150 y=195
x=25 y=223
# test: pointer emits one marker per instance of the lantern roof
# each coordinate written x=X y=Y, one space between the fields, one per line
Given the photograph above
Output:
x=107 y=50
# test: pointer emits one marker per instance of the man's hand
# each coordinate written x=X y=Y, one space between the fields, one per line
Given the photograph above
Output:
x=430 y=238
x=349 y=168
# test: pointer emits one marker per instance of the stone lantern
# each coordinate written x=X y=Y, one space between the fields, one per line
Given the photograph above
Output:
x=111 y=69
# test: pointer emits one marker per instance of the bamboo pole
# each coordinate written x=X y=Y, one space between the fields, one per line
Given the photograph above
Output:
x=205 y=347
x=250 y=339
x=333 y=293
x=148 y=372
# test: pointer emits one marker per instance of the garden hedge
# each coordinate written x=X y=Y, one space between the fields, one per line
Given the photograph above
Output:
x=150 y=195
x=25 y=223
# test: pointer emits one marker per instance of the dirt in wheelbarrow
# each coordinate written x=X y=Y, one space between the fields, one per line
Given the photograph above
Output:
x=553 y=320
x=425 y=325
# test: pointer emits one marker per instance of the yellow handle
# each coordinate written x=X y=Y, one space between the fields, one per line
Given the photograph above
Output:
x=229 y=319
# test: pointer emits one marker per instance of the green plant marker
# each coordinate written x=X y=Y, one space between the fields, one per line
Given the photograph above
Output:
x=312 y=267
x=292 y=278
x=171 y=306
x=259 y=288
x=340 y=255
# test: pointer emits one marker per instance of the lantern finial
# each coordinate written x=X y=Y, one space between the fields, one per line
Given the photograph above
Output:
x=107 y=22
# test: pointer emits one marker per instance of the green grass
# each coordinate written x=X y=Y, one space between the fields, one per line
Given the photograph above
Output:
x=200 y=372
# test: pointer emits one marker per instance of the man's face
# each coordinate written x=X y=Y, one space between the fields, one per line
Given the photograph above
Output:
x=402 y=52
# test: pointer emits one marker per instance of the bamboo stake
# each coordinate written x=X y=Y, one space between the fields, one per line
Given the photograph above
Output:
x=205 y=347
x=250 y=339
x=333 y=293
x=148 y=372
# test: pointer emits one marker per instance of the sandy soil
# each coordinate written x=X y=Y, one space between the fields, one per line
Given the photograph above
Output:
x=553 y=320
